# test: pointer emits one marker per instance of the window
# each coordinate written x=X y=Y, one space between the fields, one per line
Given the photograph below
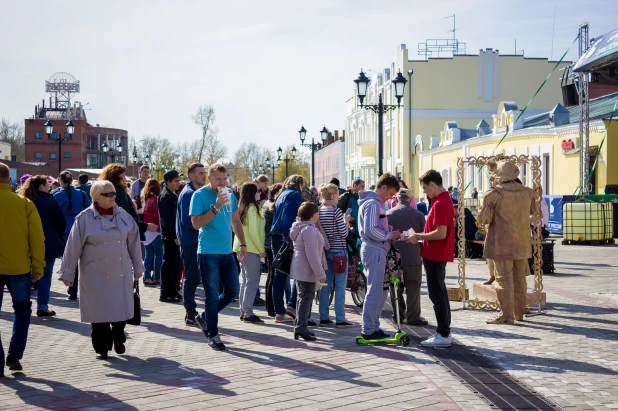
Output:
x=52 y=155
x=524 y=174
x=38 y=155
x=53 y=135
x=67 y=135
x=38 y=135
x=67 y=154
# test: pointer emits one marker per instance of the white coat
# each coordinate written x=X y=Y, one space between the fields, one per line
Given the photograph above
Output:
x=109 y=253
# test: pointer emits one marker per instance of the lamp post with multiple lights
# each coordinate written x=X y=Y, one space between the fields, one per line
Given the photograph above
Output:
x=270 y=165
x=362 y=82
x=106 y=148
x=313 y=146
x=286 y=159
x=49 y=129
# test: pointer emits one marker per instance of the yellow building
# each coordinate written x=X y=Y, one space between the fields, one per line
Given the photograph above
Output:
x=464 y=89
x=553 y=135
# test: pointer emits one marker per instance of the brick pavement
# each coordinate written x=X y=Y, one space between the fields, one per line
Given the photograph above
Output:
x=169 y=365
x=570 y=354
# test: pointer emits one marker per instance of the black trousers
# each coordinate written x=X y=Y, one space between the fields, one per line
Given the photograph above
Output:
x=435 y=272
x=104 y=335
x=169 y=269
x=270 y=308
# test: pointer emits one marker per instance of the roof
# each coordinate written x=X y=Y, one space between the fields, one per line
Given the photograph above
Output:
x=600 y=108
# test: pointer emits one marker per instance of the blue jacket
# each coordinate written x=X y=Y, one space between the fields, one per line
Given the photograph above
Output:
x=79 y=202
x=286 y=210
x=422 y=207
x=187 y=235
x=53 y=224
x=86 y=189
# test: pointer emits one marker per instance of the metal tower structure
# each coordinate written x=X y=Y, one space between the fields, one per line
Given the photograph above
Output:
x=453 y=45
x=584 y=115
x=60 y=86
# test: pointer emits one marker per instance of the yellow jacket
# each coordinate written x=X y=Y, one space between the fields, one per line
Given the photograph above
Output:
x=22 y=243
x=253 y=228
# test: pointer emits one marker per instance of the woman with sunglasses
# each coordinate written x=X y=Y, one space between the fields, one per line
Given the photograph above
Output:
x=105 y=240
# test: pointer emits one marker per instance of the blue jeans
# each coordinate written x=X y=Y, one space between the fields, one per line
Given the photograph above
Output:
x=19 y=288
x=72 y=290
x=192 y=278
x=44 y=285
x=339 y=281
x=154 y=253
x=281 y=281
x=217 y=269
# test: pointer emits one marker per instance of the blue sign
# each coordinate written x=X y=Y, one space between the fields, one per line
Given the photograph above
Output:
x=554 y=203
x=13 y=174
x=601 y=52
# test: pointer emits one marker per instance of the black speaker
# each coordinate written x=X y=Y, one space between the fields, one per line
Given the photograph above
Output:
x=611 y=189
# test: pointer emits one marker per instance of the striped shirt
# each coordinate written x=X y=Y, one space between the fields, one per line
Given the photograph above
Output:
x=331 y=220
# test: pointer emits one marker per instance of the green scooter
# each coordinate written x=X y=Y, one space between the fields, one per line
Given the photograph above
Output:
x=400 y=337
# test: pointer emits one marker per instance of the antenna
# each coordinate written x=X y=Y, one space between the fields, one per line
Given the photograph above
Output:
x=553 y=30
x=453 y=45
x=454 y=26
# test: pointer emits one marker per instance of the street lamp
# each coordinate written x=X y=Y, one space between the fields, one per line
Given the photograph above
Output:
x=313 y=146
x=271 y=165
x=286 y=159
x=49 y=129
x=399 y=85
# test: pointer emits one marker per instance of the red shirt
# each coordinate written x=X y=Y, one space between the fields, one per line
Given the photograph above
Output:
x=441 y=213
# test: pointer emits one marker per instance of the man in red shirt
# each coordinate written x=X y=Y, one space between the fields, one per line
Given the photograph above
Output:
x=437 y=250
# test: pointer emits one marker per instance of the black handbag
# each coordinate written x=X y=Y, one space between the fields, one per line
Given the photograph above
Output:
x=283 y=261
x=137 y=306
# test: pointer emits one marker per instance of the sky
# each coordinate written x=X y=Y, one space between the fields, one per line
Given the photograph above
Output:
x=267 y=66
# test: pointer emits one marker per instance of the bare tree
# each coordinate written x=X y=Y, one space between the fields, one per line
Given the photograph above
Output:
x=152 y=146
x=13 y=133
x=247 y=161
x=210 y=148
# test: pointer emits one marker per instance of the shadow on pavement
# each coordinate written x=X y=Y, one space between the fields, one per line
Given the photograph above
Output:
x=58 y=395
x=317 y=370
x=169 y=373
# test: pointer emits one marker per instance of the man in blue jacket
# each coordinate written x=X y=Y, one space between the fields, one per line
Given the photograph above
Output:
x=376 y=237
x=188 y=240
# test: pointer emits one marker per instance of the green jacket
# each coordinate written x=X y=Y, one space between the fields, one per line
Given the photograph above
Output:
x=22 y=243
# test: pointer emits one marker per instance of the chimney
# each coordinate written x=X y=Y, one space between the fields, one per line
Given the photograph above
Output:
x=336 y=135
x=342 y=135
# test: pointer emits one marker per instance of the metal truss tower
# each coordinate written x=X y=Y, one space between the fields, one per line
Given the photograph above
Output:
x=584 y=115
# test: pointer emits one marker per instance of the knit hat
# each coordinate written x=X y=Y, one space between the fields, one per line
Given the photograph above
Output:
x=23 y=178
x=170 y=175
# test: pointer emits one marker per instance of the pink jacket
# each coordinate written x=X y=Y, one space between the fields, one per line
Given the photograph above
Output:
x=309 y=261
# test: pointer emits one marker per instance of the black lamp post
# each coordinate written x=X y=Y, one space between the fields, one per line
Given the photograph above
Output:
x=286 y=159
x=362 y=82
x=49 y=129
x=313 y=146
x=272 y=166
x=134 y=159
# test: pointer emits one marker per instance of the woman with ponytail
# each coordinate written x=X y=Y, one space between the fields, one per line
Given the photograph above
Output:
x=72 y=202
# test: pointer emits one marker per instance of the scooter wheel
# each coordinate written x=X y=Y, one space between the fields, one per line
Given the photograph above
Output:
x=359 y=340
x=404 y=340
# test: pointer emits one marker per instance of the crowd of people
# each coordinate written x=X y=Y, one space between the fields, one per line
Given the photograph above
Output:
x=174 y=235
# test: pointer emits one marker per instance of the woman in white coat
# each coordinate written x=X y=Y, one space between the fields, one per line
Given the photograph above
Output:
x=105 y=239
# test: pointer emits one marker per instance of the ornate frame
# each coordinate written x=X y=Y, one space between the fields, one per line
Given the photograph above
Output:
x=537 y=254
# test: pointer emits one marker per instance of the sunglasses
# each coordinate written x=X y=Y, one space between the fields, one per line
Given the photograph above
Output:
x=109 y=195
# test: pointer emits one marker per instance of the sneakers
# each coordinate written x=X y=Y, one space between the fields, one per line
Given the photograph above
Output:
x=190 y=321
x=382 y=334
x=242 y=317
x=311 y=323
x=282 y=318
x=13 y=363
x=344 y=324
x=216 y=344
x=253 y=319
x=202 y=324
x=326 y=322
x=258 y=302
x=437 y=341
x=291 y=312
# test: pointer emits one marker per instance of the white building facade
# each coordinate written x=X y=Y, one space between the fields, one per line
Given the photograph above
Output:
x=330 y=161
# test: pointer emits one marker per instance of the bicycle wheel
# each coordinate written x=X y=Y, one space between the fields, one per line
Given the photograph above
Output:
x=359 y=296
